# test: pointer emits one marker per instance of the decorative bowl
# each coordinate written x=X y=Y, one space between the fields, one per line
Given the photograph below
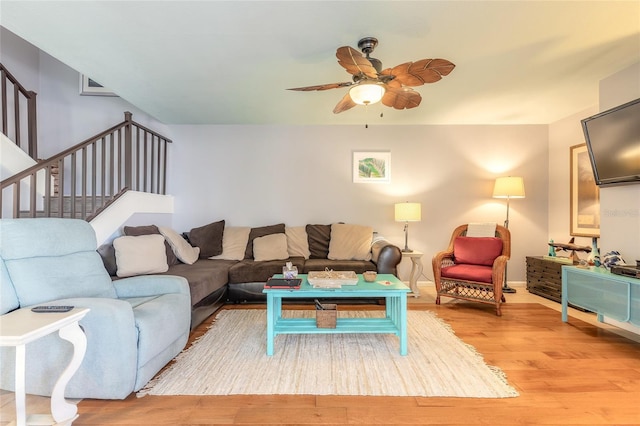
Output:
x=370 y=276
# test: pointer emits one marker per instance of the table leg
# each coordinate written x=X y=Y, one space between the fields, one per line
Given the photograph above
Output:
x=416 y=271
x=403 y=323
x=271 y=319
x=564 y=297
x=21 y=408
x=388 y=302
x=396 y=310
x=61 y=410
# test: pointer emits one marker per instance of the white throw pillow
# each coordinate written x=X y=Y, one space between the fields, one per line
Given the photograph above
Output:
x=143 y=254
x=270 y=247
x=234 y=243
x=297 y=241
x=181 y=248
x=350 y=242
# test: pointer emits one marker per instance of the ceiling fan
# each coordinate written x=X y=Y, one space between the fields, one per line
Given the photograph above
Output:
x=371 y=84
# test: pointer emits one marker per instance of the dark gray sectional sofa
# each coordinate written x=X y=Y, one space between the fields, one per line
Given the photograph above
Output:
x=214 y=282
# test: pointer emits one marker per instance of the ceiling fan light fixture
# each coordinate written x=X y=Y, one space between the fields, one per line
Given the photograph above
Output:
x=367 y=93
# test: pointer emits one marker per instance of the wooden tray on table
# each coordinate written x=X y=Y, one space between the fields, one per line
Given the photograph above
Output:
x=331 y=279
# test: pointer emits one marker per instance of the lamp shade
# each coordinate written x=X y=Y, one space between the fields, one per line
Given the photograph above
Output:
x=366 y=93
x=408 y=212
x=509 y=187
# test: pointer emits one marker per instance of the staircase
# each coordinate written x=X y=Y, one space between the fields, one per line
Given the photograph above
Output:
x=19 y=104
x=83 y=209
x=81 y=181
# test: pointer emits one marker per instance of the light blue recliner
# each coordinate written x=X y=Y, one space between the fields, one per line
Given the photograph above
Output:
x=135 y=326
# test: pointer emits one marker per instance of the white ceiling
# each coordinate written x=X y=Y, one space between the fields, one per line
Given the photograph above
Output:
x=229 y=62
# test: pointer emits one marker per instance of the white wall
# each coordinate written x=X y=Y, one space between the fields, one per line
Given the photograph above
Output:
x=261 y=175
x=65 y=118
x=620 y=205
x=21 y=58
x=70 y=118
x=562 y=135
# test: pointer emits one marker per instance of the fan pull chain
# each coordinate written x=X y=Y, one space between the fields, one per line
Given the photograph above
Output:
x=366 y=116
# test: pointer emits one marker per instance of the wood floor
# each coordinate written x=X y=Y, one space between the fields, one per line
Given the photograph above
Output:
x=578 y=373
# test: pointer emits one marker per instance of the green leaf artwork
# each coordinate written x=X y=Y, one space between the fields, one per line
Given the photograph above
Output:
x=371 y=168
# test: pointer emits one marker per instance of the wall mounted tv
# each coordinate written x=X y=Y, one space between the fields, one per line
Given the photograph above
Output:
x=613 y=142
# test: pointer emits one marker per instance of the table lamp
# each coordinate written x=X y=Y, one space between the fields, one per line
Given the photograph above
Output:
x=407 y=212
x=508 y=187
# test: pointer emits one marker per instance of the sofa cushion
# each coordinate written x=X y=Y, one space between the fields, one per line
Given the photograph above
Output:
x=205 y=276
x=477 y=250
x=297 y=241
x=350 y=242
x=75 y=275
x=234 y=243
x=70 y=267
x=144 y=254
x=208 y=238
x=261 y=232
x=250 y=270
x=157 y=332
x=468 y=272
x=135 y=231
x=270 y=247
x=319 y=237
x=8 y=297
x=17 y=237
x=184 y=251
x=108 y=255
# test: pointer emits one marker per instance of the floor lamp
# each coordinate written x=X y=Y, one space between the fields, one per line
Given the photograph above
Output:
x=508 y=187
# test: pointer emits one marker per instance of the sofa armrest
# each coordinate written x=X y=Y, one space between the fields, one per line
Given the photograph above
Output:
x=151 y=285
x=386 y=256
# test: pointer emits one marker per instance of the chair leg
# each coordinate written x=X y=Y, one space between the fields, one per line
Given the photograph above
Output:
x=503 y=299
x=438 y=300
x=498 y=310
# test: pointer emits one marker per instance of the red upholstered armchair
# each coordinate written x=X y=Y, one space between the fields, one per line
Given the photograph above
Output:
x=473 y=268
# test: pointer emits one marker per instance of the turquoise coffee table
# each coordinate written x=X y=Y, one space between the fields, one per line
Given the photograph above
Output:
x=394 y=322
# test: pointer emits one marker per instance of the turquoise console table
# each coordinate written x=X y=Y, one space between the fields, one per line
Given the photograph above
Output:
x=394 y=322
x=598 y=290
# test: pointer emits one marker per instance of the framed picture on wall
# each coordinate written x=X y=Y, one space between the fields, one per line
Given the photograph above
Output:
x=585 y=195
x=372 y=167
x=91 y=87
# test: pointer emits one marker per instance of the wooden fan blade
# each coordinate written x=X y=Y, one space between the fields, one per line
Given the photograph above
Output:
x=345 y=103
x=401 y=98
x=420 y=72
x=322 y=86
x=353 y=61
x=394 y=84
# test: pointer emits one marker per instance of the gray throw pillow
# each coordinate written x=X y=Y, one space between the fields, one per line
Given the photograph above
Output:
x=108 y=255
x=319 y=237
x=208 y=238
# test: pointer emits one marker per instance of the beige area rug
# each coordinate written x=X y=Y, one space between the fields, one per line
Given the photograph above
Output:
x=231 y=359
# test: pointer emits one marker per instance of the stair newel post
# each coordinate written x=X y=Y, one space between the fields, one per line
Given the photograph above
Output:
x=32 y=123
x=3 y=91
x=128 y=151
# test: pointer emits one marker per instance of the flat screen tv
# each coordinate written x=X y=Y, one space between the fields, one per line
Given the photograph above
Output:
x=613 y=142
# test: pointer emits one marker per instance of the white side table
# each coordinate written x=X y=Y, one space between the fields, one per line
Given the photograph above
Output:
x=20 y=327
x=416 y=270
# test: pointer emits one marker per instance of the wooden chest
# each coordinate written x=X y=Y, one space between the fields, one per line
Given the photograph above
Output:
x=544 y=278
